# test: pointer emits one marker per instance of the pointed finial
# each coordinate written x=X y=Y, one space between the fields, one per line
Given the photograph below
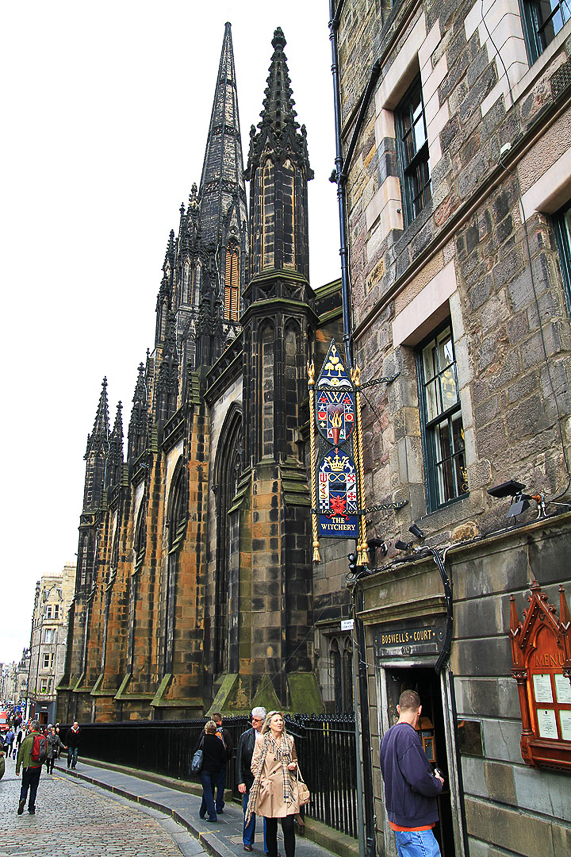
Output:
x=278 y=40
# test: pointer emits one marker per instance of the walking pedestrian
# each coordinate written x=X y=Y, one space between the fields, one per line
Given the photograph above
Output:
x=244 y=776
x=19 y=737
x=274 y=792
x=226 y=739
x=214 y=756
x=57 y=729
x=410 y=785
x=31 y=769
x=9 y=742
x=72 y=740
x=54 y=745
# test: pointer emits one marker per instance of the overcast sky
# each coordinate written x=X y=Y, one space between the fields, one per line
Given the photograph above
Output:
x=105 y=110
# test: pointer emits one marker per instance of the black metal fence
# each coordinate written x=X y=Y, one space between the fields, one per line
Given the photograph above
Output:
x=325 y=747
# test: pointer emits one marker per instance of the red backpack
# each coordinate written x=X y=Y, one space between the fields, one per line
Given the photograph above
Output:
x=39 y=749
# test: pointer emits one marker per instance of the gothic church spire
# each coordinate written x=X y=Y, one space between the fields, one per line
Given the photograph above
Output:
x=278 y=170
x=222 y=180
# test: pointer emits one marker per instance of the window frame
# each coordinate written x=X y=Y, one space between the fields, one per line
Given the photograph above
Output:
x=562 y=227
x=429 y=425
x=419 y=159
x=534 y=26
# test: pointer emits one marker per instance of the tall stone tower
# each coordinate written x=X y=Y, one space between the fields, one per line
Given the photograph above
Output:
x=272 y=510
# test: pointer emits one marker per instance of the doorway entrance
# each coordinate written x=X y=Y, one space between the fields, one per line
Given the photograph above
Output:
x=426 y=682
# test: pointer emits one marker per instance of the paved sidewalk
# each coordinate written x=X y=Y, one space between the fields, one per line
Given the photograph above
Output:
x=75 y=818
x=221 y=839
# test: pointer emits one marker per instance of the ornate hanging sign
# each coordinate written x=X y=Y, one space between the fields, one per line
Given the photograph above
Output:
x=337 y=473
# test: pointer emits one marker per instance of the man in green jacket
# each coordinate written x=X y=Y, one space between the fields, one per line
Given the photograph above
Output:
x=31 y=770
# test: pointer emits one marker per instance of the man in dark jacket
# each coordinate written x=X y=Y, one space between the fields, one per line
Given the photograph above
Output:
x=226 y=739
x=31 y=769
x=72 y=740
x=410 y=785
x=244 y=776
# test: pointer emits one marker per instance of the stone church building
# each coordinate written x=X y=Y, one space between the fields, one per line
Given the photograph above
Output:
x=194 y=575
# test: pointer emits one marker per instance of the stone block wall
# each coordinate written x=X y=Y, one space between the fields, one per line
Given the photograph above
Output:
x=482 y=251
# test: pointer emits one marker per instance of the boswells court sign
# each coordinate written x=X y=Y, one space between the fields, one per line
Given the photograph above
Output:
x=336 y=453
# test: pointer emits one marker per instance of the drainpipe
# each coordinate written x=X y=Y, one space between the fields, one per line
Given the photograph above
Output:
x=336 y=176
x=339 y=175
x=368 y=800
x=363 y=741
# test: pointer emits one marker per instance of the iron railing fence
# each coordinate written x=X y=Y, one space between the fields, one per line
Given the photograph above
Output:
x=325 y=747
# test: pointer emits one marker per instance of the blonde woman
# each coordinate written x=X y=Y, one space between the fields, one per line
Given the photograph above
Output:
x=274 y=792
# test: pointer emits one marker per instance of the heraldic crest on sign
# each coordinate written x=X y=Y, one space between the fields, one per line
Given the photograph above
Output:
x=334 y=400
x=337 y=463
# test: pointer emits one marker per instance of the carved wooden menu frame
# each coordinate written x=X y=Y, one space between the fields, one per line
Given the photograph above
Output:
x=541 y=655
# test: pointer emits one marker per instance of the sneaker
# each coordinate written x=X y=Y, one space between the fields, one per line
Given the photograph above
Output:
x=21 y=807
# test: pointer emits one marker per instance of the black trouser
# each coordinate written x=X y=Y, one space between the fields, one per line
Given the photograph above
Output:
x=272 y=835
x=30 y=780
x=50 y=764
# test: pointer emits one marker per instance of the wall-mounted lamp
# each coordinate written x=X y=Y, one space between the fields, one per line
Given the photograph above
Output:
x=416 y=531
x=402 y=546
x=506 y=489
x=520 y=501
x=375 y=545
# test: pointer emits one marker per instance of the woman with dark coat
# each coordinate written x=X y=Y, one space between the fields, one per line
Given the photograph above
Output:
x=214 y=757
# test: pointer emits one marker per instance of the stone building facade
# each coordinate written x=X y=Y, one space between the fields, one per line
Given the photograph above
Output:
x=48 y=642
x=455 y=125
x=194 y=585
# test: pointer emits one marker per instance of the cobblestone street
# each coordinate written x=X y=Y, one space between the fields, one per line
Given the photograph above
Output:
x=77 y=819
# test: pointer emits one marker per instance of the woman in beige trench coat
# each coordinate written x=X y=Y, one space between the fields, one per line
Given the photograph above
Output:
x=274 y=793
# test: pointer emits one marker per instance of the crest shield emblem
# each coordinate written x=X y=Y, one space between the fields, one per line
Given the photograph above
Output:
x=334 y=400
x=337 y=500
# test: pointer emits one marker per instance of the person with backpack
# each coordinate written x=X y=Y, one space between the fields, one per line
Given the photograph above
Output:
x=72 y=739
x=30 y=759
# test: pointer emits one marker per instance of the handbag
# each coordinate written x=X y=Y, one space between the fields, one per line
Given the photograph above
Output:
x=197 y=759
x=303 y=793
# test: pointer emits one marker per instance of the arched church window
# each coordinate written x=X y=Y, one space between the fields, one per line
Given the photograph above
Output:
x=232 y=283
x=267 y=387
x=291 y=375
x=340 y=690
x=227 y=472
x=176 y=521
x=268 y=215
x=288 y=192
x=185 y=282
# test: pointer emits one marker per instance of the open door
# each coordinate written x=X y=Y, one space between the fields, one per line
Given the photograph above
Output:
x=426 y=682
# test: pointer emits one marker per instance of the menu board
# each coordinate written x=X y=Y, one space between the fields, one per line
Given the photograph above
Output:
x=542 y=687
x=547 y=723
x=563 y=689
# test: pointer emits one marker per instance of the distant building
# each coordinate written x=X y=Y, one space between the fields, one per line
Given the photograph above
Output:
x=22 y=672
x=48 y=642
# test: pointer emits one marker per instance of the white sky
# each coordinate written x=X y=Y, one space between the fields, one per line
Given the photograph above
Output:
x=105 y=110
